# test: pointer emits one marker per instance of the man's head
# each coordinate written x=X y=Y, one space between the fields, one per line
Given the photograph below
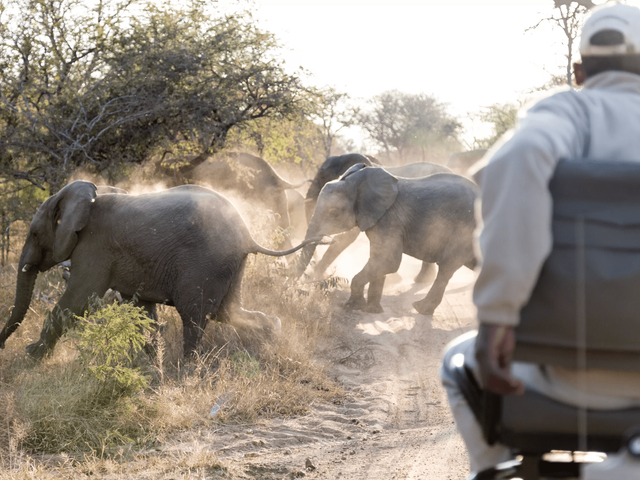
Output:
x=611 y=39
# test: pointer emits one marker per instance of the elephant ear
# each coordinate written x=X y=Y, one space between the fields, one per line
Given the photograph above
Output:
x=376 y=193
x=373 y=161
x=70 y=215
x=353 y=169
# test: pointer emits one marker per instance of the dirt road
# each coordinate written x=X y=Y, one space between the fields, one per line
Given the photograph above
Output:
x=396 y=423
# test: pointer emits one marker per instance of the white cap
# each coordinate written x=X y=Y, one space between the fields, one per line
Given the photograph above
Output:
x=612 y=17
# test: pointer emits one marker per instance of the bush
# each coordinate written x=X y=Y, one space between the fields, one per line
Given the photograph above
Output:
x=108 y=342
x=90 y=402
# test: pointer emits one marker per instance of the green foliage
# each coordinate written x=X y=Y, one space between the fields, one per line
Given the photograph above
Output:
x=108 y=342
x=501 y=117
x=245 y=364
x=295 y=141
x=103 y=84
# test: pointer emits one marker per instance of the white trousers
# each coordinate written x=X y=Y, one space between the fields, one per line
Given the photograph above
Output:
x=560 y=385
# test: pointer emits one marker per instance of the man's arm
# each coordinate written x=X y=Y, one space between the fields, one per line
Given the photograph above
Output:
x=516 y=238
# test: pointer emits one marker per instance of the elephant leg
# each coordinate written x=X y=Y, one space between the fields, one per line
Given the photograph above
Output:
x=231 y=310
x=385 y=258
x=374 y=295
x=74 y=301
x=341 y=242
x=197 y=300
x=193 y=324
x=151 y=312
x=427 y=273
x=427 y=305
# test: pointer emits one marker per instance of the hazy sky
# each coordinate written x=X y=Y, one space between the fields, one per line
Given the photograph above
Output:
x=468 y=53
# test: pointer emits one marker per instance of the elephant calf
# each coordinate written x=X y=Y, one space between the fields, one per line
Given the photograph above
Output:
x=332 y=169
x=185 y=247
x=429 y=218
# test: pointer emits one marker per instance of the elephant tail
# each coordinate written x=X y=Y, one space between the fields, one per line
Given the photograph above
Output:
x=279 y=253
x=288 y=186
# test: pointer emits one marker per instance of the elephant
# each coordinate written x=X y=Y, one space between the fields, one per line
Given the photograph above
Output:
x=331 y=169
x=249 y=176
x=430 y=218
x=185 y=247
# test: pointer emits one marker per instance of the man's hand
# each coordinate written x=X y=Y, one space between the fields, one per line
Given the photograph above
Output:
x=494 y=350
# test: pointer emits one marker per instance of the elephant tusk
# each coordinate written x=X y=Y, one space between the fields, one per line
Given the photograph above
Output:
x=26 y=268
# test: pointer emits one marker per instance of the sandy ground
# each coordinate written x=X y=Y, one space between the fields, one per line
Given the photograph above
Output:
x=396 y=423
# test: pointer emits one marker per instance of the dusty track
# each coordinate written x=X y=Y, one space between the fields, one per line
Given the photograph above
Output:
x=396 y=423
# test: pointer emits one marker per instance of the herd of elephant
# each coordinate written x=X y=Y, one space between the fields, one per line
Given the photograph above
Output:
x=187 y=246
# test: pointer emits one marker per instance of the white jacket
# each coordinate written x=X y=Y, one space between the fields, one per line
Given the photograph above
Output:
x=600 y=122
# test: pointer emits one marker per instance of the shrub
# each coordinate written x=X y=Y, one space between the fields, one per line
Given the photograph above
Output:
x=108 y=341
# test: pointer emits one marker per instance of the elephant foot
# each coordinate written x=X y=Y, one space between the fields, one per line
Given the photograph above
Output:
x=373 y=308
x=272 y=325
x=37 y=350
x=424 y=308
x=356 y=303
x=269 y=326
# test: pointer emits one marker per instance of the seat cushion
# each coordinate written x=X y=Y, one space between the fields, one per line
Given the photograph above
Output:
x=533 y=423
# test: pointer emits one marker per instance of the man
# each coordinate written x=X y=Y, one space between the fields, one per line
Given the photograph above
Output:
x=600 y=122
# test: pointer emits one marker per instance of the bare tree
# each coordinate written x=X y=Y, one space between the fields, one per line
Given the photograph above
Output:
x=405 y=124
x=568 y=15
x=334 y=113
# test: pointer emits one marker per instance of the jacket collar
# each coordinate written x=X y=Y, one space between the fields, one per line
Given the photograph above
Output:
x=623 y=82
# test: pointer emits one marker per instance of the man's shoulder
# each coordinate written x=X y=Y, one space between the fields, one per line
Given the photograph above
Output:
x=556 y=96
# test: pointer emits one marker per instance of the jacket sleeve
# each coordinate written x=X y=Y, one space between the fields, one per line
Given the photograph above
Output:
x=514 y=236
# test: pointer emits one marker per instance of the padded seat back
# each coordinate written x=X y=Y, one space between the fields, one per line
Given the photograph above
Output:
x=592 y=276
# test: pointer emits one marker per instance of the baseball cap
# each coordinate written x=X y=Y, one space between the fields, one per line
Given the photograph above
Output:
x=611 y=29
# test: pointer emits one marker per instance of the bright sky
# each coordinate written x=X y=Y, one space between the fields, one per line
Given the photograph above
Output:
x=468 y=53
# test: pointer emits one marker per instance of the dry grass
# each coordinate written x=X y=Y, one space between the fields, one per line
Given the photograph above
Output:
x=56 y=422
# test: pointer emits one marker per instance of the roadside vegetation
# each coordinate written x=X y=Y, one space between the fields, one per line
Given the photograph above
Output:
x=102 y=404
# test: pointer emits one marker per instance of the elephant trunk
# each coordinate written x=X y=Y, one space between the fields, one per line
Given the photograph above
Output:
x=304 y=259
x=309 y=208
x=312 y=198
x=27 y=275
x=307 y=252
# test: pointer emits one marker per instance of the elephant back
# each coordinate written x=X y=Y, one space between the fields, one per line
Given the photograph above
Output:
x=188 y=214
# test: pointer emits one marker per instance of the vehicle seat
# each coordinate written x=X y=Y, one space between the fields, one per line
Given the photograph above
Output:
x=583 y=313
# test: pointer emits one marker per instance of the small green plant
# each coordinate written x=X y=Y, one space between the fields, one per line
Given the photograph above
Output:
x=108 y=341
x=245 y=364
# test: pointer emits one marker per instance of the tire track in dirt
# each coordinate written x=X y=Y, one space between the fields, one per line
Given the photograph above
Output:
x=396 y=422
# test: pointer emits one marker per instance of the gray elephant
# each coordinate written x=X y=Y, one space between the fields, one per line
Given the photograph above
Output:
x=430 y=218
x=185 y=247
x=331 y=169
x=249 y=176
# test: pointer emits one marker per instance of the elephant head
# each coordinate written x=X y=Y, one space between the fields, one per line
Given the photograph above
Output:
x=359 y=198
x=51 y=238
x=330 y=170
